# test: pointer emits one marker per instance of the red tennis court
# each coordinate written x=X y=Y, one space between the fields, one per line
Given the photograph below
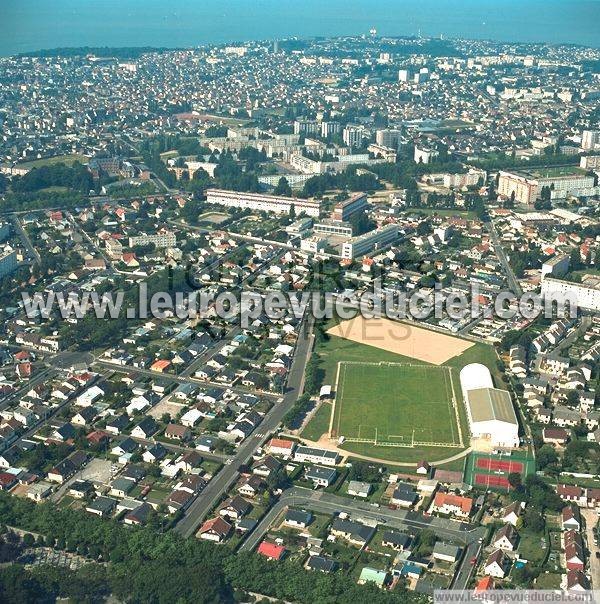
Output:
x=491 y=480
x=500 y=464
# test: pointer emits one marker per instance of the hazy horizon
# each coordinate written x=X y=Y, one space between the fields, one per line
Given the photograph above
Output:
x=28 y=25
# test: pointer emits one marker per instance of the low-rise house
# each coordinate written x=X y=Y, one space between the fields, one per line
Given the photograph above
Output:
x=456 y=505
x=506 y=538
x=206 y=443
x=38 y=491
x=321 y=477
x=574 y=550
x=354 y=532
x=298 y=518
x=216 y=529
x=126 y=446
x=139 y=515
x=190 y=418
x=372 y=575
x=404 y=495
x=556 y=436
x=446 y=552
x=359 y=489
x=66 y=432
x=179 y=499
x=235 y=508
x=79 y=489
x=577 y=581
x=397 y=541
x=101 y=506
x=266 y=467
x=321 y=564
x=190 y=462
x=154 y=454
x=571 y=518
x=121 y=487
x=84 y=417
x=512 y=513
x=252 y=486
x=563 y=416
x=279 y=446
x=115 y=425
x=145 y=429
x=572 y=494
x=7 y=481
x=68 y=467
x=271 y=551
x=177 y=432
x=497 y=564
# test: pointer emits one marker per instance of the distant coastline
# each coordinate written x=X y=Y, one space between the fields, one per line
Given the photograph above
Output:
x=26 y=26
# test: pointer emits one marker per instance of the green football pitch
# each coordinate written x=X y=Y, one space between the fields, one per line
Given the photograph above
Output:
x=392 y=404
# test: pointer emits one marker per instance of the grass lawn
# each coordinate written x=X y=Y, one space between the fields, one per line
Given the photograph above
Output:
x=57 y=159
x=548 y=581
x=318 y=423
x=531 y=546
x=395 y=403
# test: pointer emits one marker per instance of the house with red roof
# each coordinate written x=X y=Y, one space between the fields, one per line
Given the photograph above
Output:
x=280 y=446
x=484 y=585
x=7 y=481
x=456 y=505
x=271 y=551
x=160 y=365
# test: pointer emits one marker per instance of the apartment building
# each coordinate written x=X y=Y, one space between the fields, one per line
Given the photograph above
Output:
x=343 y=210
x=374 y=240
x=262 y=202
x=585 y=294
x=388 y=137
x=353 y=135
x=528 y=186
x=590 y=162
x=161 y=239
x=590 y=140
x=307 y=165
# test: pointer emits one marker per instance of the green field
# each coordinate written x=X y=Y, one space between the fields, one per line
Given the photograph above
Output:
x=554 y=171
x=57 y=159
x=395 y=404
x=319 y=423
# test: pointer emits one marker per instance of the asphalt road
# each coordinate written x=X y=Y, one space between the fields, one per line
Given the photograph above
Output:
x=512 y=280
x=25 y=239
x=202 y=505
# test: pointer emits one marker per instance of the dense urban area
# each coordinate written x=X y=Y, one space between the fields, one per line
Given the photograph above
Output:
x=203 y=458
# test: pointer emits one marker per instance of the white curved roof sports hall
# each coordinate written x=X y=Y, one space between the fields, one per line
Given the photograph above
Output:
x=474 y=376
